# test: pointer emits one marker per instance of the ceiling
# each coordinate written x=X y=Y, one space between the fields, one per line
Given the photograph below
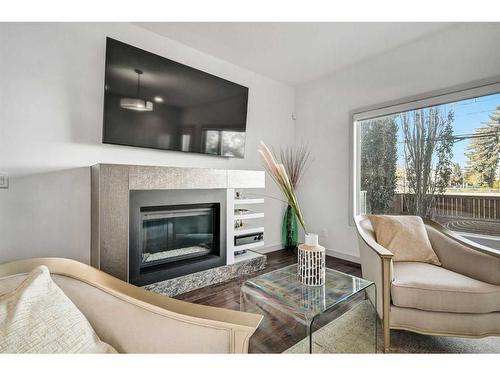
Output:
x=294 y=53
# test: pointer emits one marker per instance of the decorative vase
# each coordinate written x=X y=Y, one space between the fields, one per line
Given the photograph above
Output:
x=290 y=229
x=311 y=262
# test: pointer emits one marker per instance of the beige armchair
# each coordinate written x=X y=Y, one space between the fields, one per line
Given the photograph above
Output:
x=461 y=298
x=133 y=320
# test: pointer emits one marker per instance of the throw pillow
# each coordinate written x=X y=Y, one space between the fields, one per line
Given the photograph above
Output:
x=405 y=237
x=37 y=317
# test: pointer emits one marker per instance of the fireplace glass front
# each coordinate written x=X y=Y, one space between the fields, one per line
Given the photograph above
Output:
x=177 y=233
x=173 y=233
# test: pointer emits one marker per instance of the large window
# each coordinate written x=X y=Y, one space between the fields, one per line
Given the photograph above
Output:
x=437 y=158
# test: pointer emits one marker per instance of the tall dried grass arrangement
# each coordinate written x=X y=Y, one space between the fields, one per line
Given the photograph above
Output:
x=295 y=160
x=279 y=174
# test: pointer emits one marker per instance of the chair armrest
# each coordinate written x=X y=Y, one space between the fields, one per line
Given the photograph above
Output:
x=463 y=256
x=461 y=240
x=369 y=240
x=376 y=263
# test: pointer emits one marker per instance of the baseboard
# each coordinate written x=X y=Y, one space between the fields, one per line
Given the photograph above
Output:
x=344 y=256
x=332 y=253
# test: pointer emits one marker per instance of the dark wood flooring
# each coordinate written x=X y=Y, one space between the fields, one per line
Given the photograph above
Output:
x=227 y=295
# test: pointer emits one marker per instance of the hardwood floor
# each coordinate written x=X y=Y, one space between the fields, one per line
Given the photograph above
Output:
x=274 y=339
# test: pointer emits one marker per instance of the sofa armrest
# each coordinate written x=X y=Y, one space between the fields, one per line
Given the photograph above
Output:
x=132 y=319
x=463 y=256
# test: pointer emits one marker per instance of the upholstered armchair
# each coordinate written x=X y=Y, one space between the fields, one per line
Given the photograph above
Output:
x=459 y=298
x=133 y=320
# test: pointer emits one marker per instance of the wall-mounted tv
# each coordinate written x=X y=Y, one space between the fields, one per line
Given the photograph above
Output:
x=154 y=102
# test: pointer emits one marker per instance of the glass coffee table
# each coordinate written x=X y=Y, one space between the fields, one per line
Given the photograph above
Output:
x=297 y=311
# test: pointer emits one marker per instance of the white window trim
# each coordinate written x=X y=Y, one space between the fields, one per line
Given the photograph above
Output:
x=421 y=101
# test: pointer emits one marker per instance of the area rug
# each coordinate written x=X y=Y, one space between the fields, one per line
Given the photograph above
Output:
x=354 y=331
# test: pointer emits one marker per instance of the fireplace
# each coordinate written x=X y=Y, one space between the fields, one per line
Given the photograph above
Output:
x=179 y=232
x=170 y=240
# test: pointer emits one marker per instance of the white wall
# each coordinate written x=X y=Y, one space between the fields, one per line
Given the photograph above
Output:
x=51 y=95
x=455 y=56
x=51 y=88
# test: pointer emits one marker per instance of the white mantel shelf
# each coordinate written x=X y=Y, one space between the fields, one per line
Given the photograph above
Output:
x=144 y=177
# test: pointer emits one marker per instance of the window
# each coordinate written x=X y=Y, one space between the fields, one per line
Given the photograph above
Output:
x=225 y=143
x=185 y=142
x=437 y=158
x=212 y=141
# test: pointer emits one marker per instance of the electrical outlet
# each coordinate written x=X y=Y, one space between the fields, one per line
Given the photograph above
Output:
x=324 y=233
x=4 y=180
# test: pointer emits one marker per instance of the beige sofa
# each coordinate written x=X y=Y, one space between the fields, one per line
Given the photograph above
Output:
x=134 y=320
x=461 y=298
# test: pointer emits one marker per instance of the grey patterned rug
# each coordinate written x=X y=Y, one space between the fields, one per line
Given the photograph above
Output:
x=353 y=332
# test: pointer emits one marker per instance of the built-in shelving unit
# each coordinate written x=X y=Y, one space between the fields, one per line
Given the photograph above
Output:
x=251 y=225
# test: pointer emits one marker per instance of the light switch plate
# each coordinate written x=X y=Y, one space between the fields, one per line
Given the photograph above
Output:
x=4 y=180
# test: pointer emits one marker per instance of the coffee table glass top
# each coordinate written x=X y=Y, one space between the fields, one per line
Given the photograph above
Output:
x=283 y=287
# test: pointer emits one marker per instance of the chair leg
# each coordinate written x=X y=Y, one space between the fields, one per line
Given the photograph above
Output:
x=387 y=336
x=386 y=301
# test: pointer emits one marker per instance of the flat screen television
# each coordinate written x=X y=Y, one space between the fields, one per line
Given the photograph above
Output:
x=154 y=102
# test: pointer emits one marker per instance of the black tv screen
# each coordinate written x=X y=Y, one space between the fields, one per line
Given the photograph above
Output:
x=154 y=102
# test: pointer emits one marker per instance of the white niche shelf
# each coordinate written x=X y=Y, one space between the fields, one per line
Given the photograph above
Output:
x=248 y=229
x=246 y=256
x=244 y=201
x=249 y=215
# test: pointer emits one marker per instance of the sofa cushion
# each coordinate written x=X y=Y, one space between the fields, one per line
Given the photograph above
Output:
x=37 y=317
x=427 y=287
x=405 y=237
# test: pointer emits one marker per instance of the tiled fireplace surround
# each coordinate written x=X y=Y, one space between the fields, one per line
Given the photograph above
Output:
x=110 y=198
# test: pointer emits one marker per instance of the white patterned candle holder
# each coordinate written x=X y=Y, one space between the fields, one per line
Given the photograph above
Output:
x=311 y=262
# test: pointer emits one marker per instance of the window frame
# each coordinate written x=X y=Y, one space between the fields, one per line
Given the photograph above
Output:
x=455 y=94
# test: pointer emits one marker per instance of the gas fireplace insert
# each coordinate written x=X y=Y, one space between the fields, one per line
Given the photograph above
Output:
x=172 y=240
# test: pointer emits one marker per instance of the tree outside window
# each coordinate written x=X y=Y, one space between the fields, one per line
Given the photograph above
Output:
x=440 y=162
